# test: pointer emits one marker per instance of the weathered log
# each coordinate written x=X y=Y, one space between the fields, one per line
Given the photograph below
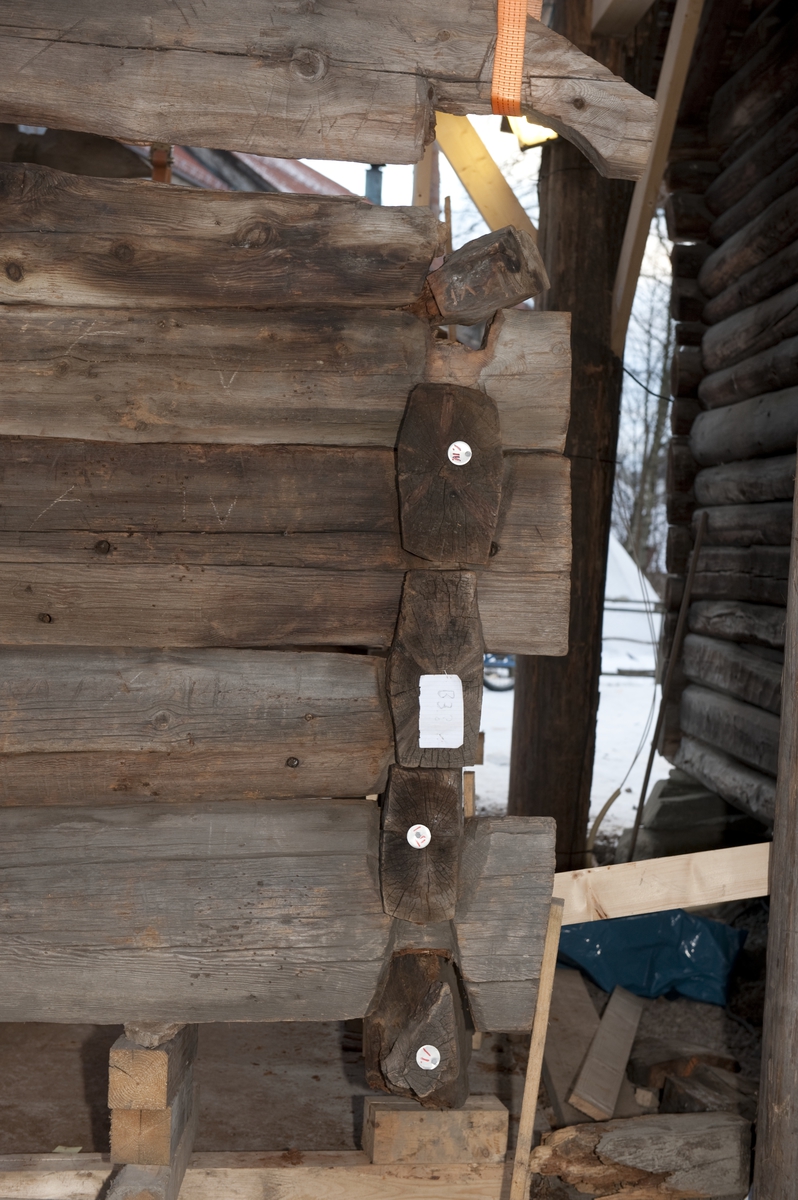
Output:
x=438 y=633
x=326 y=84
x=687 y=259
x=760 y=283
x=772 y=562
x=747 y=732
x=734 y=670
x=725 y=585
x=678 y=548
x=689 y=333
x=686 y=175
x=747 y=789
x=687 y=217
x=449 y=473
x=751 y=429
x=710 y=1089
x=683 y=414
x=653 y=1059
x=760 y=239
x=78 y=153
x=97 y=727
x=736 y=621
x=770 y=371
x=417 y=1014
x=498 y=270
x=675 y=1155
x=329 y=377
x=680 y=469
x=687 y=300
x=757 y=89
x=687 y=371
x=756 y=201
x=749 y=482
x=750 y=332
x=419 y=882
x=757 y=163
x=767 y=524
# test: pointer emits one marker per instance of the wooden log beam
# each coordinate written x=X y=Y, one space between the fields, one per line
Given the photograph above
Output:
x=754 y=286
x=734 y=670
x=762 y=524
x=756 y=90
x=760 y=197
x=751 y=481
x=760 y=160
x=760 y=239
x=750 y=429
x=752 y=331
x=249 y=377
x=736 y=621
x=769 y=371
x=498 y=270
x=418 y=880
x=323 y=86
x=744 y=730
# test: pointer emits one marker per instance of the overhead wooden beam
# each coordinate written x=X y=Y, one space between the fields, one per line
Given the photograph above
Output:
x=474 y=166
x=658 y=884
x=676 y=62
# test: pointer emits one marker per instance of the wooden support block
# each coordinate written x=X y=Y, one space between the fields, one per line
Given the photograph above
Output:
x=153 y=1182
x=150 y=1078
x=150 y=1137
x=449 y=473
x=469 y=793
x=402 y=1131
x=419 y=878
x=418 y=1017
x=598 y=1083
x=497 y=270
x=438 y=633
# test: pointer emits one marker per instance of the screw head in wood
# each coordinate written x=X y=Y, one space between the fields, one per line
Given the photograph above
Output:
x=419 y=836
x=292 y=762
x=428 y=1057
x=459 y=453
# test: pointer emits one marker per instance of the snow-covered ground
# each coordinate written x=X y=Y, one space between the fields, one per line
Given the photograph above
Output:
x=627 y=706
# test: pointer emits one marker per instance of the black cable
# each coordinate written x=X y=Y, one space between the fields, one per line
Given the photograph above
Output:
x=643 y=386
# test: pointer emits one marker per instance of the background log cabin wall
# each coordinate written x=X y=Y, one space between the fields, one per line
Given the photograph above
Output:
x=732 y=210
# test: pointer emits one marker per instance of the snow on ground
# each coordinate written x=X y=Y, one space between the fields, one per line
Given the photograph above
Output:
x=627 y=706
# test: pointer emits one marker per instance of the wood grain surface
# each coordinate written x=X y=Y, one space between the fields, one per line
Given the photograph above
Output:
x=420 y=884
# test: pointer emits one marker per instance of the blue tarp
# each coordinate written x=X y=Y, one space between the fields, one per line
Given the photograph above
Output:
x=657 y=954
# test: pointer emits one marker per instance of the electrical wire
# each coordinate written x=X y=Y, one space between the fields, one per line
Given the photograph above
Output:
x=640 y=383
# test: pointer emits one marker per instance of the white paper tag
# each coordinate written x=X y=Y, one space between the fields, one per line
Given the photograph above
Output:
x=440 y=712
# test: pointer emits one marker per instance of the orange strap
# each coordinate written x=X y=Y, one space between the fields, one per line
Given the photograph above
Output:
x=508 y=61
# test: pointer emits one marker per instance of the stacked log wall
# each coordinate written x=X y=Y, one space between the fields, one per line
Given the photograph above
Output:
x=732 y=211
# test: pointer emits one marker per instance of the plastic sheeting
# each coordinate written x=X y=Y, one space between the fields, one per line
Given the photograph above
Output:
x=658 y=954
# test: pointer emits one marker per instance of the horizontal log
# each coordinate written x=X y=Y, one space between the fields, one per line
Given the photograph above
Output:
x=747 y=789
x=767 y=524
x=761 y=282
x=760 y=197
x=247 y=911
x=77 y=153
x=687 y=217
x=733 y=670
x=727 y=585
x=762 y=159
x=87 y=727
x=72 y=240
x=737 y=621
x=751 y=331
x=687 y=371
x=760 y=239
x=323 y=83
x=335 y=378
x=747 y=732
x=757 y=88
x=771 y=562
x=687 y=300
x=769 y=371
x=750 y=482
x=751 y=429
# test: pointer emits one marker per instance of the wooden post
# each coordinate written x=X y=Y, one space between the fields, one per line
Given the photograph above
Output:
x=777 y=1137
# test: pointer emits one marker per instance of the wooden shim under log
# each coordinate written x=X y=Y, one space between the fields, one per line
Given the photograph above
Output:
x=734 y=670
x=449 y=494
x=737 y=621
x=438 y=633
x=765 y=156
x=754 y=286
x=764 y=236
x=747 y=789
x=498 y=270
x=751 y=481
x=418 y=1007
x=744 y=730
x=151 y=1138
x=419 y=883
x=751 y=429
x=137 y=1182
x=149 y=1079
x=369 y=91
x=327 y=377
x=769 y=371
x=398 y=1130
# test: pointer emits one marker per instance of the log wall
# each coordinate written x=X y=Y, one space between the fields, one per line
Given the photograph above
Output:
x=732 y=214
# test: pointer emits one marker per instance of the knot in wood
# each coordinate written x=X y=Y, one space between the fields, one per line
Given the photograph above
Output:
x=102 y=547
x=45 y=617
x=257 y=235
x=309 y=65
x=161 y=720
x=14 y=272
x=123 y=253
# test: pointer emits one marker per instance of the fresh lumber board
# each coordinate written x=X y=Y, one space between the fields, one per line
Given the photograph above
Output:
x=159 y=1182
x=744 y=730
x=750 y=429
x=336 y=377
x=747 y=789
x=769 y=371
x=733 y=669
x=318 y=1175
x=101 y=726
x=480 y=175
x=752 y=481
x=151 y=1138
x=658 y=884
x=370 y=91
x=751 y=331
x=738 y=621
x=399 y=1130
x=598 y=1084
x=674 y=1155
x=150 y=1078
